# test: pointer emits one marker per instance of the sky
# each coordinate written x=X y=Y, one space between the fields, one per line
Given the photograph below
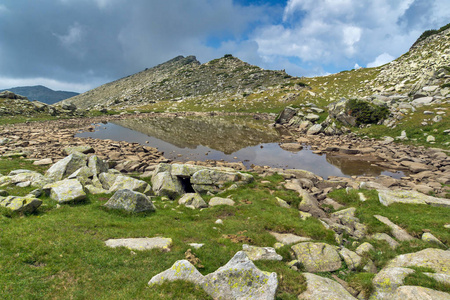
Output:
x=77 y=45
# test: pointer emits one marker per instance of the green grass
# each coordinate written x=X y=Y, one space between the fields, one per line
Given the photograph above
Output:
x=58 y=252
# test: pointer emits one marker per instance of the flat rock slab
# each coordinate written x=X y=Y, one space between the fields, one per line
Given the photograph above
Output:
x=261 y=253
x=436 y=259
x=388 y=197
x=324 y=288
x=141 y=243
x=417 y=292
x=399 y=233
x=289 y=238
x=387 y=238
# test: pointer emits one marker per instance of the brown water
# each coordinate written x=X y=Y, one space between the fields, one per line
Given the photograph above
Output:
x=230 y=139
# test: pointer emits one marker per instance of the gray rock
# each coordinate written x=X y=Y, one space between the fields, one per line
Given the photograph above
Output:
x=184 y=170
x=422 y=101
x=286 y=115
x=215 y=201
x=443 y=278
x=387 y=281
x=66 y=191
x=141 y=243
x=66 y=166
x=317 y=257
x=130 y=201
x=282 y=203
x=352 y=259
x=78 y=149
x=364 y=248
x=289 y=238
x=384 y=237
x=428 y=237
x=310 y=205
x=418 y=292
x=164 y=184
x=323 y=288
x=107 y=180
x=315 y=129
x=97 y=165
x=388 y=197
x=192 y=200
x=399 y=233
x=261 y=253
x=430 y=139
x=212 y=180
x=238 y=279
x=436 y=259
x=129 y=183
x=20 y=204
x=43 y=162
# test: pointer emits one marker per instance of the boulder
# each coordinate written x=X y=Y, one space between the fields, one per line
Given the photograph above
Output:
x=310 y=205
x=388 y=197
x=238 y=279
x=315 y=129
x=286 y=115
x=129 y=183
x=317 y=257
x=436 y=259
x=215 y=201
x=364 y=248
x=212 y=180
x=107 y=179
x=97 y=165
x=78 y=149
x=192 y=200
x=352 y=259
x=324 y=288
x=387 y=281
x=66 y=191
x=141 y=243
x=261 y=253
x=384 y=237
x=164 y=184
x=130 y=201
x=66 y=166
x=184 y=170
x=417 y=292
x=20 y=204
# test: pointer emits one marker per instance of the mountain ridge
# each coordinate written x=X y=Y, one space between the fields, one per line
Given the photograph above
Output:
x=41 y=93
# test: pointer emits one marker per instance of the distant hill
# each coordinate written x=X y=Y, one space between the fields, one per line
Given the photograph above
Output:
x=41 y=93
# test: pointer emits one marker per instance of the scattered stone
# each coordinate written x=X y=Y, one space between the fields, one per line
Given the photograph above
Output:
x=20 y=204
x=78 y=149
x=436 y=259
x=399 y=233
x=129 y=183
x=324 y=288
x=130 y=201
x=43 y=162
x=219 y=221
x=364 y=248
x=282 y=203
x=289 y=238
x=196 y=245
x=317 y=257
x=352 y=259
x=261 y=253
x=428 y=237
x=221 y=201
x=431 y=139
x=384 y=237
x=192 y=200
x=387 y=281
x=141 y=243
x=418 y=292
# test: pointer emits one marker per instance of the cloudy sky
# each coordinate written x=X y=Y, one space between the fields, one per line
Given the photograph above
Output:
x=77 y=45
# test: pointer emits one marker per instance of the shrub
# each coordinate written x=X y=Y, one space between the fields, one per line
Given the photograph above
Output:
x=366 y=113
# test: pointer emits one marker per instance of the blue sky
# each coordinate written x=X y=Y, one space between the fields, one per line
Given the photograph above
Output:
x=80 y=44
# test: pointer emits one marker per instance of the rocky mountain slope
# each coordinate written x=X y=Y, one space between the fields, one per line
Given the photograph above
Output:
x=41 y=93
x=181 y=78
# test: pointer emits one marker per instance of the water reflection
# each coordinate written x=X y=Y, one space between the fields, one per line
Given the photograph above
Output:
x=230 y=139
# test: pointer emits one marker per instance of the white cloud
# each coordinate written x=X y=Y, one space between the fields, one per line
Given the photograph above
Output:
x=381 y=60
x=74 y=35
x=3 y=9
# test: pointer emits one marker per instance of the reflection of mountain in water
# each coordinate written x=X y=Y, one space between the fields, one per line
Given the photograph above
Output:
x=350 y=167
x=219 y=133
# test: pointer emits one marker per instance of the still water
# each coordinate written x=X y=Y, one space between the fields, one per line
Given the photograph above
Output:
x=230 y=139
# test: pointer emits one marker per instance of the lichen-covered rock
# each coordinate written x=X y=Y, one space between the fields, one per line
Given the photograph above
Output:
x=129 y=183
x=352 y=259
x=388 y=197
x=417 y=292
x=310 y=205
x=220 y=201
x=436 y=259
x=184 y=170
x=323 y=288
x=20 y=204
x=399 y=233
x=107 y=179
x=164 y=184
x=83 y=172
x=97 y=165
x=66 y=166
x=94 y=190
x=141 y=243
x=428 y=237
x=261 y=253
x=289 y=238
x=387 y=281
x=384 y=237
x=364 y=248
x=181 y=270
x=212 y=180
x=130 y=201
x=240 y=279
x=192 y=200
x=317 y=257
x=68 y=190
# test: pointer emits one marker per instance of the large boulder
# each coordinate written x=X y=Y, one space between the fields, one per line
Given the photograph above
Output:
x=66 y=166
x=338 y=111
x=66 y=191
x=130 y=201
x=97 y=165
x=164 y=184
x=122 y=182
x=20 y=204
x=324 y=288
x=317 y=257
x=238 y=279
